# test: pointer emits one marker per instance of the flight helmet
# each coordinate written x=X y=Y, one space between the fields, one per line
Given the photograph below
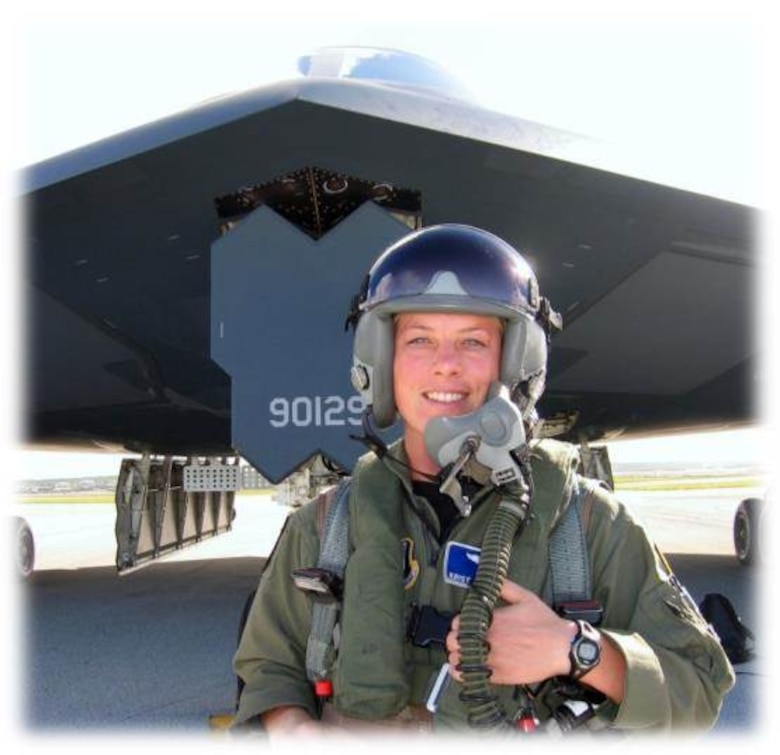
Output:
x=451 y=268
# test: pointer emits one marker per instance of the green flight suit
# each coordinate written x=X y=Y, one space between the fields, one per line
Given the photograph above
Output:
x=677 y=673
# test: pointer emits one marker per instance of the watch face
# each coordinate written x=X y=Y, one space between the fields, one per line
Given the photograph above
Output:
x=587 y=652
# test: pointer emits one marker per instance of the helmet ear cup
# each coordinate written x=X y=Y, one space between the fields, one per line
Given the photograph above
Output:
x=523 y=353
x=373 y=354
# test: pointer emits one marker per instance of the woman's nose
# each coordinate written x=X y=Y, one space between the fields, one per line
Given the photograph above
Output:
x=447 y=359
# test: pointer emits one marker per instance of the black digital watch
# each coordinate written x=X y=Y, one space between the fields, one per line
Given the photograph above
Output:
x=585 y=650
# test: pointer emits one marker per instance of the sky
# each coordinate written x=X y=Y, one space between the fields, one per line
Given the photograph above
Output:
x=679 y=88
x=683 y=97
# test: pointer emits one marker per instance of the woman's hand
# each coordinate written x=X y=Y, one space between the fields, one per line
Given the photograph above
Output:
x=528 y=641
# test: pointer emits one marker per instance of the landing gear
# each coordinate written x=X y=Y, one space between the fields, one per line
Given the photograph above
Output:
x=748 y=528
x=164 y=504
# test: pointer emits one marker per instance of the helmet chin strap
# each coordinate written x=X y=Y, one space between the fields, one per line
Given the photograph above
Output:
x=369 y=438
x=488 y=438
x=374 y=443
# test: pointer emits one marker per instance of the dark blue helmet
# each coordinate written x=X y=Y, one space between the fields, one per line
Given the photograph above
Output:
x=451 y=268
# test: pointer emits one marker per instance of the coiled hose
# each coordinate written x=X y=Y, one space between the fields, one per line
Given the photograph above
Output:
x=484 y=710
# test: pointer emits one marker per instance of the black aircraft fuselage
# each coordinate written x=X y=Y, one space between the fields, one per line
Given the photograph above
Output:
x=186 y=282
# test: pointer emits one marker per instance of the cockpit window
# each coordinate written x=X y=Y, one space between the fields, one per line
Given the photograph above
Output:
x=385 y=66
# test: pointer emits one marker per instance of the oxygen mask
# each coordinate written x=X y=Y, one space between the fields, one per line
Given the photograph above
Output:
x=479 y=444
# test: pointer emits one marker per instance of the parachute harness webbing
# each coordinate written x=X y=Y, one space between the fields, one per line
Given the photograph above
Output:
x=484 y=710
x=334 y=550
x=569 y=568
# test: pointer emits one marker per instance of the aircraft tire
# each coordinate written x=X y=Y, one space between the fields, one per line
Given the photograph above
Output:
x=746 y=531
x=24 y=542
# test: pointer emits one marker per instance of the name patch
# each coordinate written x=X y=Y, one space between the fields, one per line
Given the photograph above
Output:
x=460 y=564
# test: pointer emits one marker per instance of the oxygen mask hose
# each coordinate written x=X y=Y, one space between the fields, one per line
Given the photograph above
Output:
x=491 y=437
x=484 y=710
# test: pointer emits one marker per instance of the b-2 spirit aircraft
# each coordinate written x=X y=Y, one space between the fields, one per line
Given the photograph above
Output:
x=187 y=282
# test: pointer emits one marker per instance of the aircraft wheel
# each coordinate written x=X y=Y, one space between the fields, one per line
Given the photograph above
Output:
x=746 y=531
x=25 y=547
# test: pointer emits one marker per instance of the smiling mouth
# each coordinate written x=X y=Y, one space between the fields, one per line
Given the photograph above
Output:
x=444 y=397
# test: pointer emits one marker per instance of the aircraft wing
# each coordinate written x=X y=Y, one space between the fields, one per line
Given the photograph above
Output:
x=187 y=281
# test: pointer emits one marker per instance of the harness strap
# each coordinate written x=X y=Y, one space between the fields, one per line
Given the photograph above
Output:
x=569 y=578
x=334 y=550
x=569 y=575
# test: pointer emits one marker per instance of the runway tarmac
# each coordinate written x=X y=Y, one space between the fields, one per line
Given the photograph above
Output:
x=151 y=651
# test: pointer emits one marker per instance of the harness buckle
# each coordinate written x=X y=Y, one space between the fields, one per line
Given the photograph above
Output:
x=321 y=583
x=586 y=610
x=426 y=626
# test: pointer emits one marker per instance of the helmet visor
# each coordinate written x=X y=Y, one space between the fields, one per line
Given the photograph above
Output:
x=464 y=263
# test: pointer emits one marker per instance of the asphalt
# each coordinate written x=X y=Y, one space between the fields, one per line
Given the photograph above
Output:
x=151 y=651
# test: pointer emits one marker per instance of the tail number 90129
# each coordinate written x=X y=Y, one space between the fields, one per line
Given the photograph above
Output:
x=315 y=411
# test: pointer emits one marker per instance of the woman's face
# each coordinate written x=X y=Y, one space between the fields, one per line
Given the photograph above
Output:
x=443 y=365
